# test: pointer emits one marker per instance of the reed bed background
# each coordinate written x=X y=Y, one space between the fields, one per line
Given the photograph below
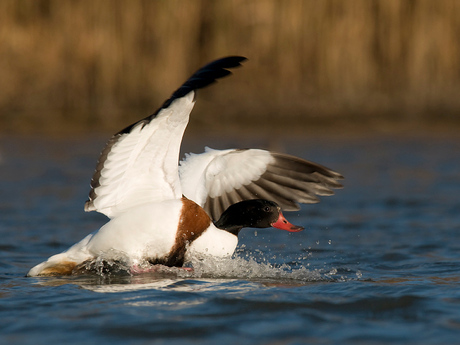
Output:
x=102 y=63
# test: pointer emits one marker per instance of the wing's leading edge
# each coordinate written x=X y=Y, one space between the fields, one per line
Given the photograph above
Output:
x=139 y=164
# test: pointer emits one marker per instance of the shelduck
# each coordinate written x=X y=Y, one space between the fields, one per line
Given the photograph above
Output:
x=162 y=213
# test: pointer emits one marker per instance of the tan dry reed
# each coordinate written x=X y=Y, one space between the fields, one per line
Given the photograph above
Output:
x=102 y=61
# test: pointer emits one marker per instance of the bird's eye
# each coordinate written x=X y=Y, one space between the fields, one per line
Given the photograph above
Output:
x=267 y=209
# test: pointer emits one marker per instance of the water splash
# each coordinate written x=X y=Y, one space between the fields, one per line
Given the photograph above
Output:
x=252 y=269
x=248 y=268
x=252 y=265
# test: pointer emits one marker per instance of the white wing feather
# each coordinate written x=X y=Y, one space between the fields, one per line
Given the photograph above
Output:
x=216 y=172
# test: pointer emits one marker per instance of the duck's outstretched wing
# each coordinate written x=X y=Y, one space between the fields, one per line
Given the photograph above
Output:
x=217 y=179
x=140 y=163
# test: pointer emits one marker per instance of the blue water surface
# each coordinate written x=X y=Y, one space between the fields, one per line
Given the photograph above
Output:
x=378 y=263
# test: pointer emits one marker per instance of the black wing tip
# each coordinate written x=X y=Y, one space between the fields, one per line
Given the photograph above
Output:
x=229 y=61
x=203 y=77
x=206 y=75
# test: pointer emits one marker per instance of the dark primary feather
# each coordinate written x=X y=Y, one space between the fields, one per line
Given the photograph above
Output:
x=205 y=76
x=288 y=181
x=200 y=79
